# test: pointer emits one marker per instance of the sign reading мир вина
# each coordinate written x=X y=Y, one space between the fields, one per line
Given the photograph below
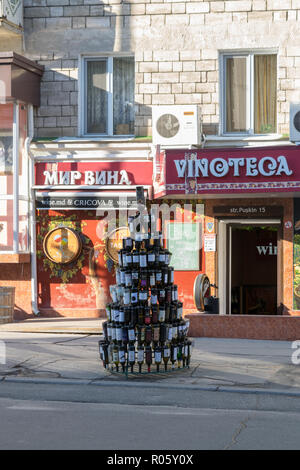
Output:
x=82 y=173
x=243 y=170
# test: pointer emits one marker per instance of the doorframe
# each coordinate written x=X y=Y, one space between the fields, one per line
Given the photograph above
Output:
x=224 y=256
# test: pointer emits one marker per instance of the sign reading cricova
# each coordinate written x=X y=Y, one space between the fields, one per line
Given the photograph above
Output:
x=247 y=170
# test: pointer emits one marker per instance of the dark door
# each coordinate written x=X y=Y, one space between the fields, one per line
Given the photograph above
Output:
x=254 y=253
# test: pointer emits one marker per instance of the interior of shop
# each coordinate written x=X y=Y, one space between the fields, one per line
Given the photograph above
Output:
x=254 y=270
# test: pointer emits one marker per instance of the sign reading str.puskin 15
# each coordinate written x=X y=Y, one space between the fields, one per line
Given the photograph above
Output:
x=213 y=171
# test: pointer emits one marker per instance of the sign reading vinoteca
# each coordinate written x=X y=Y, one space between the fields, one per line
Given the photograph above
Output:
x=91 y=178
x=220 y=167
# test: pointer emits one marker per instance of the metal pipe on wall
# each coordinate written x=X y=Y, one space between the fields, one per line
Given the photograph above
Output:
x=32 y=218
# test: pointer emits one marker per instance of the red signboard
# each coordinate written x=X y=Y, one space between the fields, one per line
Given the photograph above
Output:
x=234 y=170
x=90 y=174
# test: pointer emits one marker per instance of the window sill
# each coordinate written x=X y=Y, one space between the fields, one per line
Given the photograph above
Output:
x=16 y=258
x=245 y=140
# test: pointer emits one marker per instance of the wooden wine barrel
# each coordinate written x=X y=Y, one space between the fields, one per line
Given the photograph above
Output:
x=7 y=303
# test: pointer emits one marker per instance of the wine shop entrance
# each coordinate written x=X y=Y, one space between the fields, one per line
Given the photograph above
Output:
x=249 y=267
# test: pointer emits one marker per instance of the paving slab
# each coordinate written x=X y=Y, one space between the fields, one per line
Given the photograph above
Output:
x=216 y=362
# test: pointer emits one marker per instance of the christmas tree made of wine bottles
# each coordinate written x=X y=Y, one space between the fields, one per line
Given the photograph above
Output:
x=144 y=331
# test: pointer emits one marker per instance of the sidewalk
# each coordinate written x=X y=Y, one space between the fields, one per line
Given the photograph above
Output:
x=66 y=351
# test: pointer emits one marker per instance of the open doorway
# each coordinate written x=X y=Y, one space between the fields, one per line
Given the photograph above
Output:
x=254 y=269
x=249 y=266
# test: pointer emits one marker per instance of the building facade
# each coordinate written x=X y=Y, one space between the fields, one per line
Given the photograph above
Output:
x=106 y=65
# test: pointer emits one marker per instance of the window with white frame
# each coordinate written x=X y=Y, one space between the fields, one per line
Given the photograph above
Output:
x=107 y=96
x=248 y=93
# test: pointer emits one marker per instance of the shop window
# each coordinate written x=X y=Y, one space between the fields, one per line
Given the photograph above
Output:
x=107 y=96
x=14 y=189
x=248 y=90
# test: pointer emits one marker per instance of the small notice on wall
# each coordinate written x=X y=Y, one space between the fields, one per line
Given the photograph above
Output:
x=209 y=242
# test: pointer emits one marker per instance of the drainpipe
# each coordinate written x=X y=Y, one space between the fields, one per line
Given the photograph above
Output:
x=32 y=219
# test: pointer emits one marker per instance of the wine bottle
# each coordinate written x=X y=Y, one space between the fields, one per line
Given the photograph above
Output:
x=134 y=315
x=163 y=333
x=170 y=275
x=136 y=255
x=184 y=352
x=144 y=278
x=104 y=328
x=140 y=357
x=121 y=315
x=143 y=296
x=131 y=334
x=127 y=296
x=122 y=276
x=141 y=329
x=162 y=313
x=188 y=355
x=166 y=355
x=174 y=352
x=140 y=318
x=113 y=333
x=143 y=255
x=108 y=311
x=154 y=297
x=152 y=279
x=156 y=333
x=131 y=356
x=122 y=358
x=105 y=354
x=148 y=334
x=174 y=293
x=115 y=355
x=161 y=294
x=128 y=278
x=135 y=277
x=151 y=257
x=179 y=354
x=162 y=257
x=109 y=337
x=134 y=296
x=147 y=316
x=157 y=357
x=155 y=310
x=128 y=257
x=119 y=333
x=148 y=353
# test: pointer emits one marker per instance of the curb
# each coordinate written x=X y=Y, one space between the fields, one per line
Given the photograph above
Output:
x=105 y=383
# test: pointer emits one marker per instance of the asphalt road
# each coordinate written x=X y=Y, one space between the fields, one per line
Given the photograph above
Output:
x=64 y=425
x=110 y=417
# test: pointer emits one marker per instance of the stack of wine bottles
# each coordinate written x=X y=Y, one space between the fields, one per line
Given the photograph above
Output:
x=144 y=327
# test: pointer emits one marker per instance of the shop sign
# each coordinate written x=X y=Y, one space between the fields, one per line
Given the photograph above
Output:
x=93 y=173
x=220 y=167
x=85 y=202
x=90 y=178
x=220 y=171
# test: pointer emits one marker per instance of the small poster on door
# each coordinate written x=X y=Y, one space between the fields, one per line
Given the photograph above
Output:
x=209 y=242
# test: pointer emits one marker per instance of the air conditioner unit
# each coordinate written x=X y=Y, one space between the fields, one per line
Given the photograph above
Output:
x=176 y=125
x=295 y=122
